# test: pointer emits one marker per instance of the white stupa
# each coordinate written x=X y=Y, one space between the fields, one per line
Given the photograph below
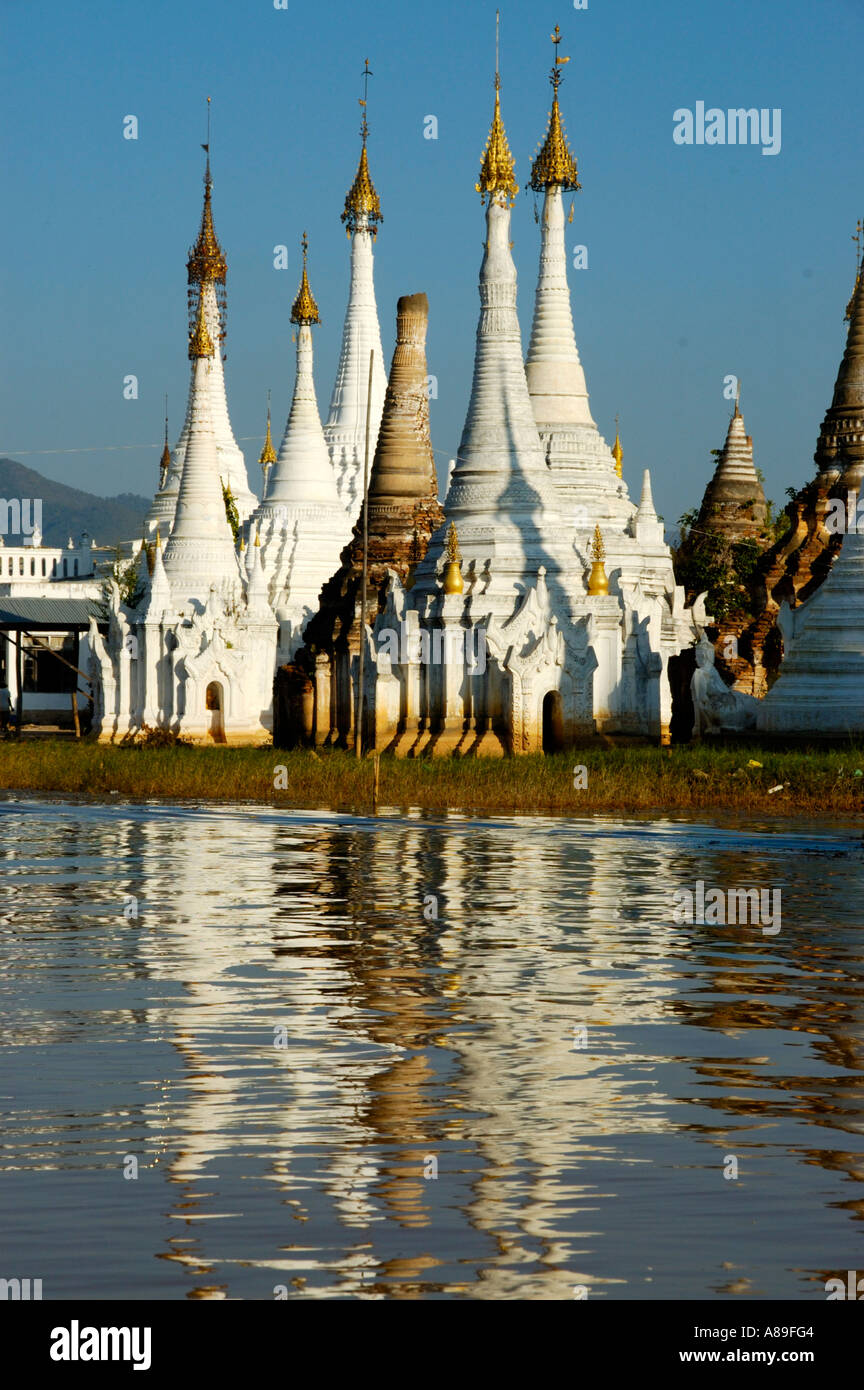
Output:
x=301 y=521
x=501 y=498
x=207 y=271
x=345 y=430
x=196 y=655
x=586 y=473
x=819 y=692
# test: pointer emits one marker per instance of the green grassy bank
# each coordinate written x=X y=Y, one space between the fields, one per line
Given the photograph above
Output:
x=818 y=782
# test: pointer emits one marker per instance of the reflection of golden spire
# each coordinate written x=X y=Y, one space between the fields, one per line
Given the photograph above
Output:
x=597 y=580
x=362 y=202
x=200 y=342
x=497 y=164
x=554 y=164
x=304 y=309
x=453 y=582
x=617 y=451
x=268 y=453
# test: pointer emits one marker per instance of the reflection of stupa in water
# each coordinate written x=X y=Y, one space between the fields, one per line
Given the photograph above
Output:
x=430 y=978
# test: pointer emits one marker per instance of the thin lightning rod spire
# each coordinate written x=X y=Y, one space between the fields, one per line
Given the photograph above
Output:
x=366 y=74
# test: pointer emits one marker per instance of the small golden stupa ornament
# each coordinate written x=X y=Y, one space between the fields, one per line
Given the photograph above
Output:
x=598 y=583
x=268 y=453
x=200 y=342
x=304 y=310
x=165 y=461
x=453 y=582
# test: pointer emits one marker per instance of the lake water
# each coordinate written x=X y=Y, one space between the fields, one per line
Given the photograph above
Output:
x=346 y=1055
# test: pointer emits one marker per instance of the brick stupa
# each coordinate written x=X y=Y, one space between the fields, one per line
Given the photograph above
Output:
x=403 y=513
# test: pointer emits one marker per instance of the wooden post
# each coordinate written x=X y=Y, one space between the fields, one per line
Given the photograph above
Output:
x=19 y=694
x=75 y=719
x=358 y=713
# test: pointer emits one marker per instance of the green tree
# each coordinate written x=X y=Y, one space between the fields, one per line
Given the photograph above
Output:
x=231 y=511
x=125 y=575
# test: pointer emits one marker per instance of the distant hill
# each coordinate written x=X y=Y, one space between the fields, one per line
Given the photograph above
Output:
x=66 y=511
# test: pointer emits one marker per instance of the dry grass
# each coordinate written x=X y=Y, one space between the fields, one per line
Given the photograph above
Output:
x=816 y=782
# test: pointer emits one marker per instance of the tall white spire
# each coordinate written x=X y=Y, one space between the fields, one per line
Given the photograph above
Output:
x=579 y=460
x=207 y=271
x=302 y=522
x=200 y=550
x=500 y=497
x=303 y=472
x=556 y=380
x=345 y=430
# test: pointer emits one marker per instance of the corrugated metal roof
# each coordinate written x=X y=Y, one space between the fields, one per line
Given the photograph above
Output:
x=48 y=612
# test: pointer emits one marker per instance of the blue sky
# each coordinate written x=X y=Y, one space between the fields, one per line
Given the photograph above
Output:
x=703 y=261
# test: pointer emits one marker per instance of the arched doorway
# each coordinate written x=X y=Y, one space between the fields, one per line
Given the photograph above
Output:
x=553 y=722
x=215 y=704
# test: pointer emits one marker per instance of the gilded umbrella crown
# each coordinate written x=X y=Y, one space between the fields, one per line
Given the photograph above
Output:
x=497 y=165
x=304 y=309
x=554 y=164
x=206 y=261
x=362 y=202
x=200 y=342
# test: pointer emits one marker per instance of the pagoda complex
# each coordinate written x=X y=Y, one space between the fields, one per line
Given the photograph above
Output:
x=512 y=635
x=538 y=607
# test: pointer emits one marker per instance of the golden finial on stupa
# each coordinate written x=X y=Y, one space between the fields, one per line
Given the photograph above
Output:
x=453 y=582
x=617 y=451
x=257 y=535
x=304 y=309
x=206 y=259
x=268 y=453
x=597 y=580
x=858 y=238
x=554 y=164
x=497 y=164
x=200 y=342
x=362 y=205
x=165 y=461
